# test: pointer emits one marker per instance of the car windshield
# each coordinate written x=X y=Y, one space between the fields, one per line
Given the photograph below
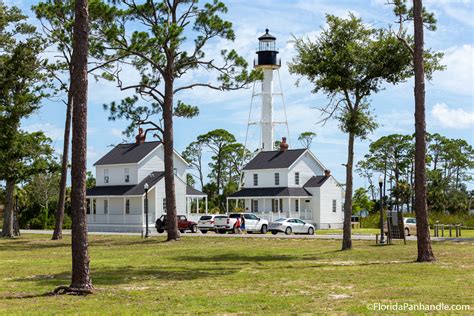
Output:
x=280 y=220
x=234 y=215
x=205 y=218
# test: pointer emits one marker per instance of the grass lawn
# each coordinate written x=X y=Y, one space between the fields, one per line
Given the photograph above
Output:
x=227 y=275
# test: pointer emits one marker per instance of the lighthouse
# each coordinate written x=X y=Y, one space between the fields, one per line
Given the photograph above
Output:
x=268 y=62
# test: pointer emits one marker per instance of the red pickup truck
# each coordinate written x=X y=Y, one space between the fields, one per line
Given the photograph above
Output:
x=183 y=224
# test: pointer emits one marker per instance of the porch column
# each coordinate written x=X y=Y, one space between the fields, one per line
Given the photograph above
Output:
x=264 y=205
x=227 y=205
x=108 y=210
x=205 y=201
x=197 y=205
x=278 y=208
x=289 y=207
x=124 y=210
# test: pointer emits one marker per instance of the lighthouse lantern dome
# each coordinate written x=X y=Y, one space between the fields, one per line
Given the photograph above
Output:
x=267 y=52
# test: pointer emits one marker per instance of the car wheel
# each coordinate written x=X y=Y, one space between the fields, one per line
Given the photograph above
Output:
x=194 y=229
x=249 y=232
x=274 y=232
x=204 y=231
x=181 y=231
x=407 y=232
x=288 y=231
x=311 y=231
x=221 y=231
x=264 y=229
x=161 y=231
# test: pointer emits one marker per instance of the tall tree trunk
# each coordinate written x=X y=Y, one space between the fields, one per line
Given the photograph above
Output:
x=425 y=252
x=80 y=256
x=8 y=213
x=58 y=227
x=346 y=236
x=173 y=233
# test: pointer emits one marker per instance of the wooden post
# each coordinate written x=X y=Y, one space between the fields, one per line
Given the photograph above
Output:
x=450 y=230
x=442 y=230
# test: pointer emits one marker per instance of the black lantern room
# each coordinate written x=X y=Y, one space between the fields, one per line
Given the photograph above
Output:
x=267 y=52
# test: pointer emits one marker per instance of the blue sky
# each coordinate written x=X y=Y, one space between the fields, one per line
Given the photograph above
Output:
x=449 y=96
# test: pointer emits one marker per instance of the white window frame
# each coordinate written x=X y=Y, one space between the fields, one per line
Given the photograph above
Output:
x=254 y=206
x=164 y=206
x=255 y=179
x=127 y=175
x=297 y=178
x=334 y=206
x=277 y=178
x=127 y=206
x=106 y=176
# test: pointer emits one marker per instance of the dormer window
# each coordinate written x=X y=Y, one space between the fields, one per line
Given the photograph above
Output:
x=297 y=178
x=277 y=178
x=106 y=175
x=175 y=171
x=255 y=179
x=127 y=175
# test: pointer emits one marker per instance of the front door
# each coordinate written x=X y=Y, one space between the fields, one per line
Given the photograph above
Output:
x=300 y=227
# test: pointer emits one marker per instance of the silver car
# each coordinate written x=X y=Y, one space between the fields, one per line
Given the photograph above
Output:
x=291 y=225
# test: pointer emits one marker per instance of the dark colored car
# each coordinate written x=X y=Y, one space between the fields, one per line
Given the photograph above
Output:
x=183 y=224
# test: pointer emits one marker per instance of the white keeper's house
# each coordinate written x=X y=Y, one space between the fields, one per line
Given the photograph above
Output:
x=117 y=202
x=291 y=183
x=285 y=182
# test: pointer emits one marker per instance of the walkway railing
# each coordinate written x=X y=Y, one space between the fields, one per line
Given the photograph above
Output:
x=448 y=227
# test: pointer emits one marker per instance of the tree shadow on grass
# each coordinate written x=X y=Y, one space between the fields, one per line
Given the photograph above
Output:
x=29 y=245
x=235 y=257
x=129 y=274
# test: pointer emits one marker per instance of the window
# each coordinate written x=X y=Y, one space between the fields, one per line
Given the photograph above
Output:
x=164 y=205
x=94 y=206
x=334 y=206
x=254 y=205
x=297 y=178
x=297 y=205
x=106 y=206
x=255 y=179
x=250 y=216
x=277 y=178
x=106 y=175
x=127 y=175
x=88 y=209
x=175 y=170
x=275 y=205
x=127 y=206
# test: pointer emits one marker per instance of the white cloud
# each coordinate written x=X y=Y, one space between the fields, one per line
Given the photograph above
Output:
x=452 y=117
x=459 y=74
x=54 y=132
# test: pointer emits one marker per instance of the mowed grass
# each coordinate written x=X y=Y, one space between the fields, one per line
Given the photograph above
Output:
x=230 y=275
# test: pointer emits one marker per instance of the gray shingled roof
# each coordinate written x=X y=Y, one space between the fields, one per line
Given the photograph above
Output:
x=127 y=153
x=277 y=192
x=192 y=191
x=315 y=182
x=118 y=190
x=274 y=159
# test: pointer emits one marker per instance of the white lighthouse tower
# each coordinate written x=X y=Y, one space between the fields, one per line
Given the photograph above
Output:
x=269 y=63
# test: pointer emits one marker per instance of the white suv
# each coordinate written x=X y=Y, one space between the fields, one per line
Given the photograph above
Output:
x=253 y=223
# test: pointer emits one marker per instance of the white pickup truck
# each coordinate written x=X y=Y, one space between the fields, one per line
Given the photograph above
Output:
x=253 y=224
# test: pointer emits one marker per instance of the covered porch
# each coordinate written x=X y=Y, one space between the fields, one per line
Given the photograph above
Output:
x=196 y=203
x=272 y=203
